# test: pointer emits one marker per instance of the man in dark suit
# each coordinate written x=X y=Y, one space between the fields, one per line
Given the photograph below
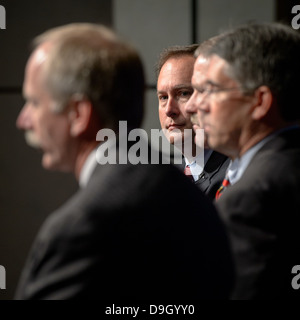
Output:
x=174 y=88
x=132 y=232
x=213 y=174
x=248 y=103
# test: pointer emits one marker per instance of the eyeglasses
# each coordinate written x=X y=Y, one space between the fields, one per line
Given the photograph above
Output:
x=208 y=92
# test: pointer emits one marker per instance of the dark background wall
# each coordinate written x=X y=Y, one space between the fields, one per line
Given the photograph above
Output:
x=27 y=192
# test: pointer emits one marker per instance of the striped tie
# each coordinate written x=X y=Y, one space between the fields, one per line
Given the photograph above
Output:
x=188 y=173
x=225 y=184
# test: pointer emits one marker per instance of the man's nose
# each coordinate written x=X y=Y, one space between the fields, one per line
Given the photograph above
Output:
x=172 y=109
x=196 y=103
x=191 y=106
x=24 y=119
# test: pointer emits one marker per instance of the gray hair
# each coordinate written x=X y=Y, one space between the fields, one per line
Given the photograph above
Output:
x=205 y=47
x=264 y=54
x=89 y=60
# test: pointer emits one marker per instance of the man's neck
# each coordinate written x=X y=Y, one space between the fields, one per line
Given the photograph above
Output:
x=256 y=135
x=85 y=150
x=190 y=152
x=252 y=141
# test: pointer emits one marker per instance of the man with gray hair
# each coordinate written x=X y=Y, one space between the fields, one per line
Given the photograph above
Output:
x=132 y=232
x=248 y=102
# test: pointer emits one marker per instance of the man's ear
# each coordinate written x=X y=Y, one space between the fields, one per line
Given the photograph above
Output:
x=264 y=100
x=79 y=113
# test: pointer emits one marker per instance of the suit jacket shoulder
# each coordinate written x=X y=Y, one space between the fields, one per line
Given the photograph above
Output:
x=261 y=212
x=136 y=232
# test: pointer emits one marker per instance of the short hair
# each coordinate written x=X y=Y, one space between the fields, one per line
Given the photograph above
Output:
x=174 y=52
x=90 y=60
x=265 y=54
x=205 y=46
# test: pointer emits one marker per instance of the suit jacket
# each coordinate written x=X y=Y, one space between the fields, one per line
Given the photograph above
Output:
x=262 y=214
x=213 y=174
x=136 y=232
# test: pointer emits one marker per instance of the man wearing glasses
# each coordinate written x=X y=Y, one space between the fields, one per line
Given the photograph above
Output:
x=248 y=102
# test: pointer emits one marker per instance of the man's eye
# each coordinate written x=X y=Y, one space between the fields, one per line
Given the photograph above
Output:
x=206 y=90
x=32 y=102
x=202 y=90
x=185 y=93
x=162 y=97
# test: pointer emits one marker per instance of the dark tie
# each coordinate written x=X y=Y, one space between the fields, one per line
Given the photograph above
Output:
x=188 y=173
x=225 y=184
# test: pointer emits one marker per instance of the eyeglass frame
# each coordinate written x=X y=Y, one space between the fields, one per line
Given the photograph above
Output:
x=208 y=92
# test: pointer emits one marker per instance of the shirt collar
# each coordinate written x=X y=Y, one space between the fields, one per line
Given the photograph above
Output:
x=238 y=166
x=87 y=169
x=198 y=163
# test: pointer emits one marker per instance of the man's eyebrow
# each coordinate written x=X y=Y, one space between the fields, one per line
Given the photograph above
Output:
x=178 y=87
x=212 y=83
x=183 y=86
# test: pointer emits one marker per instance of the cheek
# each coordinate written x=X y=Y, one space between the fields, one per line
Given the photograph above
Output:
x=199 y=116
x=41 y=125
x=222 y=113
x=183 y=112
x=162 y=116
x=60 y=132
x=55 y=131
x=185 y=116
x=228 y=119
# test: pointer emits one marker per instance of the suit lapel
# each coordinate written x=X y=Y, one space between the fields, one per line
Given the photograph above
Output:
x=212 y=167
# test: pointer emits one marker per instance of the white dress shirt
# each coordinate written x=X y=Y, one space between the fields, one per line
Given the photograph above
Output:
x=87 y=169
x=198 y=163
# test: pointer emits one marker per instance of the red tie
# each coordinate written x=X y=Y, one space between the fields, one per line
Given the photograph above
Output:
x=188 y=173
x=225 y=184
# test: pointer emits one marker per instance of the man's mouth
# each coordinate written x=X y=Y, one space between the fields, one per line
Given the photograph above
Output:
x=194 y=119
x=174 y=126
x=32 y=140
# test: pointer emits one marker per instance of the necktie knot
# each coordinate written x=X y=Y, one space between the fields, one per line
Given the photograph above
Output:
x=188 y=173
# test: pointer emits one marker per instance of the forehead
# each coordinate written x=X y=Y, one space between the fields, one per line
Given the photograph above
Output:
x=34 y=73
x=217 y=71
x=38 y=57
x=35 y=64
x=200 y=69
x=179 y=67
x=213 y=69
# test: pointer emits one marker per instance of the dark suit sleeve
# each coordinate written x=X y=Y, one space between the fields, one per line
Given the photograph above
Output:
x=139 y=242
x=262 y=224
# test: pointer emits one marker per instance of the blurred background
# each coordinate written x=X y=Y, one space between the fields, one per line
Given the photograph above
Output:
x=27 y=192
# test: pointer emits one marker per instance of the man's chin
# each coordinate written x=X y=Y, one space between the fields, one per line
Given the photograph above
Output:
x=196 y=127
x=32 y=140
x=49 y=164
